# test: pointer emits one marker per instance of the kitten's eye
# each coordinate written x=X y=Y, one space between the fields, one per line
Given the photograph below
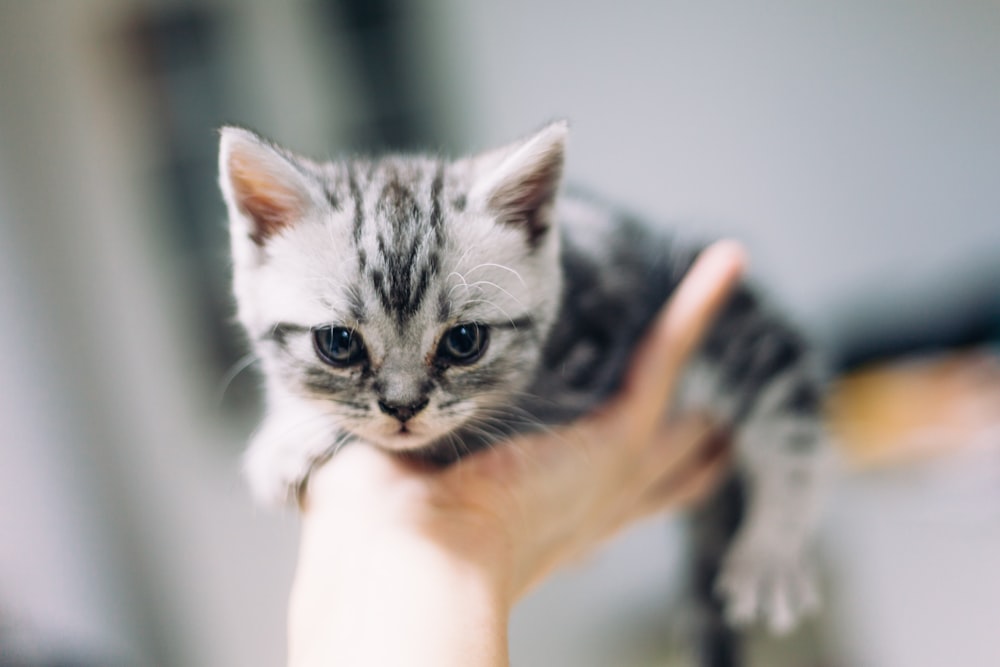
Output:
x=338 y=346
x=464 y=344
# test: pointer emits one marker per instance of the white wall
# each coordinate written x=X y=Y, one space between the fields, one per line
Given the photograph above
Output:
x=855 y=145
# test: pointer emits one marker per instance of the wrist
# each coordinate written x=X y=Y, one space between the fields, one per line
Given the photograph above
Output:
x=385 y=597
x=389 y=576
x=351 y=511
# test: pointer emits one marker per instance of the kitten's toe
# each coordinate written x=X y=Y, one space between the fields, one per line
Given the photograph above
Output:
x=738 y=586
x=807 y=588
x=775 y=588
x=779 y=608
x=793 y=598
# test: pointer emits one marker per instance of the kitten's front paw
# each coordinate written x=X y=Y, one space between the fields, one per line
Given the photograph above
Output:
x=774 y=585
x=284 y=449
x=273 y=475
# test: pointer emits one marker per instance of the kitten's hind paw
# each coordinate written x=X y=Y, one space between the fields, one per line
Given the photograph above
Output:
x=765 y=584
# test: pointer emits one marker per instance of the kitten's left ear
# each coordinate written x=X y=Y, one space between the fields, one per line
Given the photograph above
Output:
x=261 y=184
x=519 y=182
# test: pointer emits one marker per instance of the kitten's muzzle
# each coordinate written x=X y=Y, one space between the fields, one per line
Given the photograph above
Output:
x=401 y=411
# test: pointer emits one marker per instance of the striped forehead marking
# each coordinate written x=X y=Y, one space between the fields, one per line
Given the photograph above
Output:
x=409 y=237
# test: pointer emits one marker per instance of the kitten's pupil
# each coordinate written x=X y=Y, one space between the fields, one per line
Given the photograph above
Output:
x=464 y=343
x=338 y=346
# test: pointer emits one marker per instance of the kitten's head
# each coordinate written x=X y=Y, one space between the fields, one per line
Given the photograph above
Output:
x=400 y=297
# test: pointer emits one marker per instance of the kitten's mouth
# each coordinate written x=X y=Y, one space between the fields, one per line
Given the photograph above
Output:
x=408 y=427
x=401 y=436
x=411 y=435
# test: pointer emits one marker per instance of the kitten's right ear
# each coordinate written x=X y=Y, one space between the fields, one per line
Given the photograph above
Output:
x=262 y=187
x=518 y=183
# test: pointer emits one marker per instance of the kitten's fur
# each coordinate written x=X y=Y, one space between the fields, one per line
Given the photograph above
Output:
x=402 y=248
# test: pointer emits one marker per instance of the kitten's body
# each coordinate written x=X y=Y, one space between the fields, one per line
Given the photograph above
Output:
x=402 y=251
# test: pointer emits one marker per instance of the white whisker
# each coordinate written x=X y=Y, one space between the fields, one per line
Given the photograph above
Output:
x=487 y=282
x=240 y=365
x=462 y=259
x=498 y=266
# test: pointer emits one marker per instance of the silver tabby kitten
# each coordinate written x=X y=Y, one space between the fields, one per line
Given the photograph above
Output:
x=421 y=304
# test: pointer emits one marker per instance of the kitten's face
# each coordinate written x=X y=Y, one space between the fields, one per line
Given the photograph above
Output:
x=400 y=298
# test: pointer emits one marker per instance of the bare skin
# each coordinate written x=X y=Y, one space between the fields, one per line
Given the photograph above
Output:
x=404 y=565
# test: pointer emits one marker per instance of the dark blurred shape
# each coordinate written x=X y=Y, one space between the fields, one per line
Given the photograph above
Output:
x=177 y=52
x=385 y=47
x=717 y=643
x=963 y=312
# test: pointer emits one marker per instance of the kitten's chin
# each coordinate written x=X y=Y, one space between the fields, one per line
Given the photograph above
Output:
x=395 y=439
x=413 y=440
x=402 y=442
x=417 y=436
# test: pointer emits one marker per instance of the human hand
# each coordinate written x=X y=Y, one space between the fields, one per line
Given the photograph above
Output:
x=503 y=519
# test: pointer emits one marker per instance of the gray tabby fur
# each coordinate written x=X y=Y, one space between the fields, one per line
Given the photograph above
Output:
x=402 y=248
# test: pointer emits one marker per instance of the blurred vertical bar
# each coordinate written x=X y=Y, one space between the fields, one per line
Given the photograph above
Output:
x=394 y=79
x=67 y=583
x=177 y=53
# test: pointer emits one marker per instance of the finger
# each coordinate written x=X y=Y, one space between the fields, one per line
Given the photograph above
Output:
x=676 y=333
x=677 y=449
x=685 y=320
x=677 y=446
x=690 y=484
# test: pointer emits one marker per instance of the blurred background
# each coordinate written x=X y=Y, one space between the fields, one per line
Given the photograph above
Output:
x=854 y=146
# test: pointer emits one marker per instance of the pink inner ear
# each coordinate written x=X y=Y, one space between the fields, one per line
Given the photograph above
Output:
x=526 y=198
x=270 y=204
x=532 y=190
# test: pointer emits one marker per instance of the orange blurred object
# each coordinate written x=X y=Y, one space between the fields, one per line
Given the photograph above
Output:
x=910 y=410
